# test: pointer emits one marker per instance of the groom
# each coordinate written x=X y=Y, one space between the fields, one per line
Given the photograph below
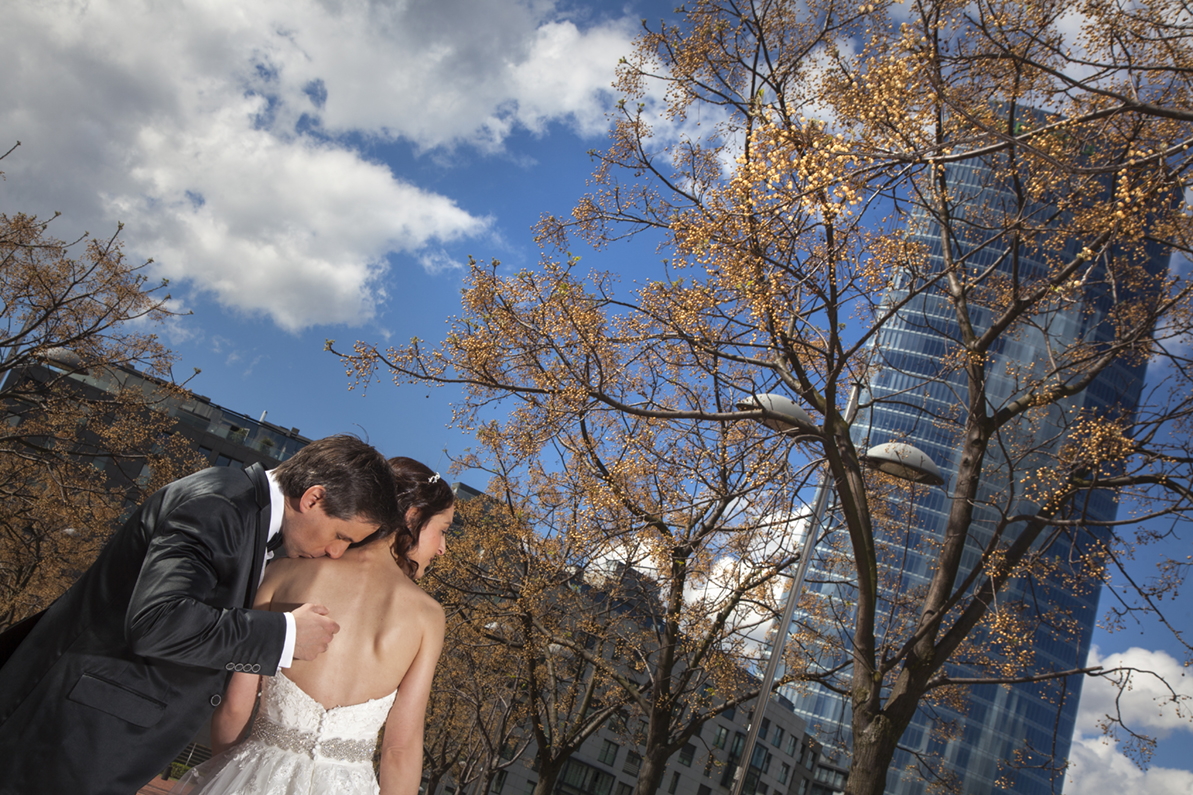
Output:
x=124 y=669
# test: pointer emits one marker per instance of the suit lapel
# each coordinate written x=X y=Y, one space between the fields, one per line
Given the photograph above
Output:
x=256 y=473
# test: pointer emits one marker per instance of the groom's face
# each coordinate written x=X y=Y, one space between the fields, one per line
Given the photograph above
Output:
x=308 y=532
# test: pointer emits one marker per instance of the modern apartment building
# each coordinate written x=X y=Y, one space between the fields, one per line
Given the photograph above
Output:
x=224 y=437
x=786 y=761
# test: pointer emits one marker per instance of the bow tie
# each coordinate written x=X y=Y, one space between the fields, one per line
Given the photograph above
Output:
x=273 y=544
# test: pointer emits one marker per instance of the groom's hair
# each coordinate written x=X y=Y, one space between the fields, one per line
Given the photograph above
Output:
x=357 y=480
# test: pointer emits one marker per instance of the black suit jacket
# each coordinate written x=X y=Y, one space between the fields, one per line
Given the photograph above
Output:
x=124 y=669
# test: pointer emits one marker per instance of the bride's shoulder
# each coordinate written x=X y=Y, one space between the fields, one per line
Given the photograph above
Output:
x=420 y=597
x=413 y=602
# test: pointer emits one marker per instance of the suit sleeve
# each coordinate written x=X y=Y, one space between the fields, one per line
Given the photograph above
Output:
x=186 y=605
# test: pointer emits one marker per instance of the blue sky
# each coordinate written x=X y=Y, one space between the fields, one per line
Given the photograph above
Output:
x=307 y=170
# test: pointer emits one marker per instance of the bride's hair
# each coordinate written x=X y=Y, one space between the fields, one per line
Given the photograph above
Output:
x=427 y=494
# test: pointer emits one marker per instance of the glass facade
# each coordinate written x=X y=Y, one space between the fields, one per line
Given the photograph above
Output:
x=914 y=397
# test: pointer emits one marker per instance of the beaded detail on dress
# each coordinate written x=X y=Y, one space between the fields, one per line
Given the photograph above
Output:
x=296 y=747
x=293 y=721
x=301 y=742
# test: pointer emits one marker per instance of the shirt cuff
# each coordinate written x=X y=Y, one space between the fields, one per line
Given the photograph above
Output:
x=288 y=648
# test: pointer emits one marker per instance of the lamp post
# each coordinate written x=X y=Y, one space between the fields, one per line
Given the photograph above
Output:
x=894 y=458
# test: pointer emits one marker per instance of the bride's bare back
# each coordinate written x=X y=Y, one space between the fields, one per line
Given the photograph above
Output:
x=391 y=633
x=383 y=616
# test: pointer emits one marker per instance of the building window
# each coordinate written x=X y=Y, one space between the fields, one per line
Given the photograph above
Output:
x=761 y=790
x=686 y=753
x=761 y=759
x=498 y=782
x=765 y=728
x=530 y=785
x=633 y=762
x=803 y=786
x=577 y=777
x=777 y=738
x=708 y=766
x=624 y=788
x=704 y=790
x=730 y=713
x=718 y=740
x=784 y=773
x=791 y=743
x=608 y=753
x=674 y=782
x=739 y=742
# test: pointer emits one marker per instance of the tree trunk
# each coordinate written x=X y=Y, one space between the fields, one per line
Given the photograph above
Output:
x=876 y=732
x=548 y=775
x=650 y=775
x=873 y=752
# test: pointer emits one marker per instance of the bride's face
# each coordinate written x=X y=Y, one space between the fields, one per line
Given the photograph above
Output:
x=432 y=540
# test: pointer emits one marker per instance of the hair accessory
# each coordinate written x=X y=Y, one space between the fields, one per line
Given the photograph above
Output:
x=434 y=478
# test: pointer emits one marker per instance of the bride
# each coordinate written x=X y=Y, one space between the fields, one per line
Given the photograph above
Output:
x=317 y=722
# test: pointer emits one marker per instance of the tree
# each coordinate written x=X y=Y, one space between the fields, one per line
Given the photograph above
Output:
x=633 y=591
x=477 y=709
x=822 y=178
x=575 y=593
x=69 y=325
x=515 y=598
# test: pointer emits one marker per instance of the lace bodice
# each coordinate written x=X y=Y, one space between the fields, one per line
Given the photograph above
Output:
x=297 y=747
x=293 y=721
x=286 y=704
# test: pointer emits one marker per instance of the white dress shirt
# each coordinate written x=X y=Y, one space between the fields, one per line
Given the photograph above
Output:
x=277 y=505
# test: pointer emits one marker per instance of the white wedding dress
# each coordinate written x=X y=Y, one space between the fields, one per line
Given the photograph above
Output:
x=296 y=747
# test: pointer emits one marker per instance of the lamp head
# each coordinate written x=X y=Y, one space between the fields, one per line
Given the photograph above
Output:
x=783 y=414
x=904 y=461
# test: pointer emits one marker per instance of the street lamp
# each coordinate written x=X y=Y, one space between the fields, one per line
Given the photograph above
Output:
x=894 y=458
x=904 y=461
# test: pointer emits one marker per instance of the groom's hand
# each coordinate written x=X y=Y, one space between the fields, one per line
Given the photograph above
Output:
x=313 y=630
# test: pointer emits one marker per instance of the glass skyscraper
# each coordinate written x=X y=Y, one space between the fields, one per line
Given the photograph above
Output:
x=910 y=398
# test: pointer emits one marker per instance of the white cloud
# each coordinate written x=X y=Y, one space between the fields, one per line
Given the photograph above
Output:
x=221 y=132
x=558 y=76
x=1096 y=768
x=305 y=239
x=439 y=261
x=1147 y=705
x=775 y=537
